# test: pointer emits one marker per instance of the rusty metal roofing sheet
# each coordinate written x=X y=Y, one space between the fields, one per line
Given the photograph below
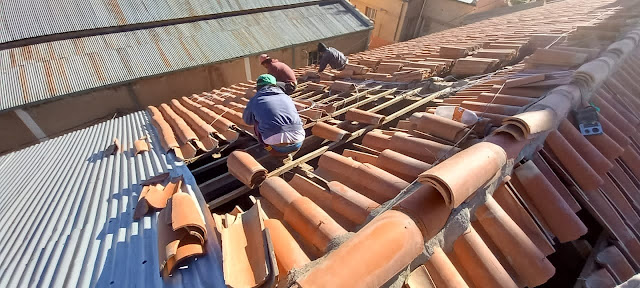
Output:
x=21 y=19
x=66 y=213
x=42 y=71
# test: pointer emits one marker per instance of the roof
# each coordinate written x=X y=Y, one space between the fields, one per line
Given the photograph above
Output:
x=393 y=191
x=43 y=71
x=73 y=208
x=47 y=19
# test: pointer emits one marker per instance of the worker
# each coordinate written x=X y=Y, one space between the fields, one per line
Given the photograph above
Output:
x=277 y=124
x=332 y=57
x=285 y=78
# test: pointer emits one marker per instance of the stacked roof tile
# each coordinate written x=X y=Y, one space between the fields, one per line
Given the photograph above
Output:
x=406 y=189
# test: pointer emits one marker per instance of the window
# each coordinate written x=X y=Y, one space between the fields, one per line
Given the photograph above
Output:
x=312 y=58
x=371 y=13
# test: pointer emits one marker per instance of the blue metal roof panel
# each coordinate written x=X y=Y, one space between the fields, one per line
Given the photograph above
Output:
x=67 y=221
x=90 y=62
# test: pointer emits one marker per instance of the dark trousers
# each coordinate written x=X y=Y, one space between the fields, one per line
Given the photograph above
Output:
x=287 y=87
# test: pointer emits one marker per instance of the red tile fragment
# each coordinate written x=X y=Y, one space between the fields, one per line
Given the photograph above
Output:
x=141 y=145
x=155 y=196
x=181 y=232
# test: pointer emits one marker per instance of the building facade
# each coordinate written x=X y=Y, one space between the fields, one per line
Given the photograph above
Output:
x=401 y=20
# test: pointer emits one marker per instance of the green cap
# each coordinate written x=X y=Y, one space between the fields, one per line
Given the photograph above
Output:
x=266 y=79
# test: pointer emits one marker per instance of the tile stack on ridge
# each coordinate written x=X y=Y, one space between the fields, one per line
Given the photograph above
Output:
x=507 y=241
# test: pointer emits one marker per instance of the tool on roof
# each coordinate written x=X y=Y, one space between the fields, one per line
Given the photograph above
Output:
x=587 y=120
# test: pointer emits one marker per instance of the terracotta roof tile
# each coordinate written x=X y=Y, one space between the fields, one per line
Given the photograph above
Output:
x=369 y=180
x=601 y=279
x=512 y=206
x=243 y=249
x=309 y=220
x=562 y=221
x=442 y=271
x=288 y=253
x=615 y=263
x=246 y=169
x=461 y=175
x=329 y=132
x=483 y=268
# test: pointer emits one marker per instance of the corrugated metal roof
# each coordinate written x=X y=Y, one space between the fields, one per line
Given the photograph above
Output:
x=21 y=19
x=66 y=213
x=46 y=70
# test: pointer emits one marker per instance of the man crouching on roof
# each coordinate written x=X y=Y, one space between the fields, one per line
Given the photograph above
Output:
x=276 y=121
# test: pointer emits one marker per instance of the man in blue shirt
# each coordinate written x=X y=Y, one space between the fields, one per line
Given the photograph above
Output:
x=330 y=56
x=276 y=121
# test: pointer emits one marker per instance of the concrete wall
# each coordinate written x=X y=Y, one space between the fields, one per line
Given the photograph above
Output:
x=398 y=20
x=412 y=17
x=479 y=16
x=72 y=112
x=14 y=133
x=444 y=14
x=388 y=15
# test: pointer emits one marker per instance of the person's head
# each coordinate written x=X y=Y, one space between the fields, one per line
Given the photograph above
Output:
x=265 y=80
x=265 y=60
x=322 y=47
